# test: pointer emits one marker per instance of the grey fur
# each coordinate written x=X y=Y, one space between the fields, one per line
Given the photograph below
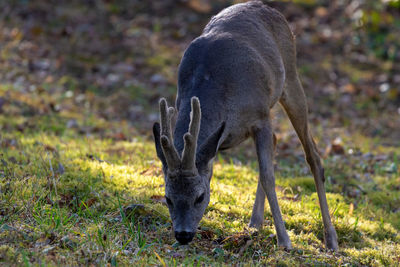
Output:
x=239 y=68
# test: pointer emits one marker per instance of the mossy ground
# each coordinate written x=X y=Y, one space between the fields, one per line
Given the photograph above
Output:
x=70 y=198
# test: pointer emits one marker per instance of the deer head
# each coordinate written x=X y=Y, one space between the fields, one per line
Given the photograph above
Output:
x=187 y=176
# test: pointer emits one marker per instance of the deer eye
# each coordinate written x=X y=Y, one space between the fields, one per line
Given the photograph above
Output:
x=169 y=202
x=199 y=199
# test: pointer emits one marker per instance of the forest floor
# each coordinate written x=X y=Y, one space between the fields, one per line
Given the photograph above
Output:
x=80 y=183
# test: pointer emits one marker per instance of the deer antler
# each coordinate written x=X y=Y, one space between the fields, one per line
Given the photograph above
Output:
x=170 y=153
x=190 y=138
x=188 y=162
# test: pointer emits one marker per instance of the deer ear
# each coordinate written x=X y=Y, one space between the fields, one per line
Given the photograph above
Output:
x=160 y=154
x=208 y=150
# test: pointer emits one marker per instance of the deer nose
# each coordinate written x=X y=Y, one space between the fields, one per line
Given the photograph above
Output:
x=184 y=237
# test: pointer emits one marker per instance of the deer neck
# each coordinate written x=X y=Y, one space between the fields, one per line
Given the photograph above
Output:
x=207 y=125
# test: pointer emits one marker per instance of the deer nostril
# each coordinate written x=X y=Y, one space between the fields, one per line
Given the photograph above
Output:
x=184 y=237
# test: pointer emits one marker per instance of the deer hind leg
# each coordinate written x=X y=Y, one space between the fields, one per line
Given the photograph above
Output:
x=294 y=102
x=263 y=138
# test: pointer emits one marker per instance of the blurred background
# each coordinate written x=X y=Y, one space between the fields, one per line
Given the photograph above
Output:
x=115 y=59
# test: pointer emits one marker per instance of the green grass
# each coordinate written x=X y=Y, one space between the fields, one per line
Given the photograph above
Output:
x=69 y=197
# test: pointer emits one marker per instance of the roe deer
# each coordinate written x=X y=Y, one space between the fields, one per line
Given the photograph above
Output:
x=238 y=69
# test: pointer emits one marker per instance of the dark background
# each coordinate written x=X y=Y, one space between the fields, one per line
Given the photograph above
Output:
x=126 y=54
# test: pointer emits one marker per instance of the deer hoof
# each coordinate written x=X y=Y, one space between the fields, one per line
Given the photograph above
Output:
x=287 y=245
x=256 y=223
x=331 y=239
x=284 y=241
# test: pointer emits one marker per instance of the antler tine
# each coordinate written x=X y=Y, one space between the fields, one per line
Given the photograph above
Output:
x=195 y=117
x=171 y=118
x=165 y=122
x=190 y=138
x=170 y=153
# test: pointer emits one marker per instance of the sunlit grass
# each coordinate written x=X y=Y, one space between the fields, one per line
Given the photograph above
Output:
x=66 y=196
x=84 y=195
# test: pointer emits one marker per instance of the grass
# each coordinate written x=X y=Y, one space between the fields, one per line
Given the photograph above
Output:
x=85 y=195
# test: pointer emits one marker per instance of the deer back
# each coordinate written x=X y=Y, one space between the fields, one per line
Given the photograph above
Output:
x=237 y=70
